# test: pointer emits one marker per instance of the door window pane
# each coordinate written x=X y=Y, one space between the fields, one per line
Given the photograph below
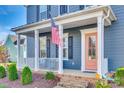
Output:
x=92 y=47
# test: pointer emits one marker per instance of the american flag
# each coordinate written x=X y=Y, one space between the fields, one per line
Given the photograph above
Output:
x=55 y=32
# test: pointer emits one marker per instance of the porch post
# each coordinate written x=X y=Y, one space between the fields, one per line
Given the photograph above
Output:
x=36 y=49
x=18 y=50
x=61 y=50
x=82 y=51
x=100 y=30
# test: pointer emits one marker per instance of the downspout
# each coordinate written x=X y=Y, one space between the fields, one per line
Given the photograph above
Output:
x=105 y=59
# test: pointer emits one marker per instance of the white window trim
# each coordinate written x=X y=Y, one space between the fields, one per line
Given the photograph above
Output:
x=58 y=10
x=66 y=35
x=67 y=8
x=45 y=47
x=83 y=60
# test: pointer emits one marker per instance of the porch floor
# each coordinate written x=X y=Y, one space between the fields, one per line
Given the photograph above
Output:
x=74 y=73
x=79 y=73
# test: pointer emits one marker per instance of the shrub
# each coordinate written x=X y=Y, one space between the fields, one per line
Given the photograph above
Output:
x=2 y=72
x=26 y=77
x=12 y=72
x=49 y=76
x=119 y=76
x=102 y=84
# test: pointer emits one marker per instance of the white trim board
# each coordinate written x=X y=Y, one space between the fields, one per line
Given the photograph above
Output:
x=83 y=32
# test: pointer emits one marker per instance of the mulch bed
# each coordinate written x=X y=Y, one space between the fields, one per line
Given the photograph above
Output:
x=38 y=82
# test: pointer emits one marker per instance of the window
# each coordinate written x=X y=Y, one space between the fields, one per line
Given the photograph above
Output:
x=65 y=46
x=43 y=11
x=82 y=7
x=43 y=8
x=70 y=47
x=63 y=9
x=43 y=51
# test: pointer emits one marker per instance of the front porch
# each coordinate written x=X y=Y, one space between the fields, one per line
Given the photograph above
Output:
x=99 y=15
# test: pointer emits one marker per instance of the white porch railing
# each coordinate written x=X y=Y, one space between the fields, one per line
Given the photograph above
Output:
x=44 y=63
x=49 y=63
x=27 y=62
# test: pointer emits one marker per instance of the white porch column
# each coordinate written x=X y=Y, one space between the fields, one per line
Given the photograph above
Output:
x=82 y=50
x=26 y=49
x=100 y=30
x=36 y=49
x=18 y=50
x=61 y=50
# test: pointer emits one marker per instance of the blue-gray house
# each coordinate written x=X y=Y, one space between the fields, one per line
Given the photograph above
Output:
x=92 y=38
x=11 y=45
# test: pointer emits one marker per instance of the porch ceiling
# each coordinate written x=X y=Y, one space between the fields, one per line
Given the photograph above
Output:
x=76 y=19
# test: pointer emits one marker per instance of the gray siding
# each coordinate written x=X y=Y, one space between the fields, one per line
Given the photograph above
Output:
x=114 y=40
x=74 y=63
x=32 y=14
x=30 y=47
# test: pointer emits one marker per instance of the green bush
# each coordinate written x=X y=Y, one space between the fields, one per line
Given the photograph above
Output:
x=119 y=76
x=2 y=72
x=26 y=77
x=12 y=72
x=102 y=84
x=49 y=76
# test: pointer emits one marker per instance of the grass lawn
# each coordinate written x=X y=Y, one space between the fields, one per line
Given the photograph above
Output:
x=3 y=86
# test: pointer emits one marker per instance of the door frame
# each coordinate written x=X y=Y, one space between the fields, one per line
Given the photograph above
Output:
x=83 y=60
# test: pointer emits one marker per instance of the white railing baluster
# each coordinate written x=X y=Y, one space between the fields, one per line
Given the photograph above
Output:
x=44 y=63
x=49 y=63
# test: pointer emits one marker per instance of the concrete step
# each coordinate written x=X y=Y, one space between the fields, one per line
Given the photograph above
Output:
x=68 y=81
x=72 y=85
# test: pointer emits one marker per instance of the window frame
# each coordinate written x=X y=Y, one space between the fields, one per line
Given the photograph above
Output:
x=66 y=47
x=59 y=8
x=44 y=46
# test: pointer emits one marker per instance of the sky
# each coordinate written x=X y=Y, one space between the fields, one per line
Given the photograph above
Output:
x=11 y=16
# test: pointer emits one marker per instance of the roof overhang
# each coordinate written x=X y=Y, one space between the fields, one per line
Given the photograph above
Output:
x=82 y=17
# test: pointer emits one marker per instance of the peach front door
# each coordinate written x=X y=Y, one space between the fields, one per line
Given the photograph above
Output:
x=91 y=51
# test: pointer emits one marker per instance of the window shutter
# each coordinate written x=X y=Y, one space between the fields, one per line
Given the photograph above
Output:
x=48 y=47
x=57 y=51
x=70 y=47
x=48 y=11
